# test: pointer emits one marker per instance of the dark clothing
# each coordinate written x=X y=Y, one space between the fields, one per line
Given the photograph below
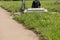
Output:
x=36 y=4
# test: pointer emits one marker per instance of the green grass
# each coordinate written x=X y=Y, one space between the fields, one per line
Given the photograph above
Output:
x=14 y=6
x=11 y=6
x=46 y=24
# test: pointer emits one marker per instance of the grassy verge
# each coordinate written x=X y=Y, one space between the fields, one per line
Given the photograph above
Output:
x=11 y=6
x=46 y=24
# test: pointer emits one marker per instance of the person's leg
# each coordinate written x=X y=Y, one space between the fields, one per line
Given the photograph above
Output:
x=33 y=4
x=39 y=4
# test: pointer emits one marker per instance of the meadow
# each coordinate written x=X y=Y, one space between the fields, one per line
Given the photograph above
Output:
x=45 y=24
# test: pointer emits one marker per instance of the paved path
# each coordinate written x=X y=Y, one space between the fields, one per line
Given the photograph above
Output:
x=11 y=30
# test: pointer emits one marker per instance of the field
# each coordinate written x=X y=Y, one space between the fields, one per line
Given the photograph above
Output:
x=52 y=6
x=47 y=25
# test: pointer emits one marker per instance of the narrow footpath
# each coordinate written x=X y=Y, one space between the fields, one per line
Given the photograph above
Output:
x=11 y=30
